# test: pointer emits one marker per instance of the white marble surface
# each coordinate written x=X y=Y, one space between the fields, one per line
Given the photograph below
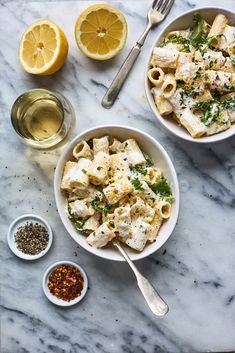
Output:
x=194 y=271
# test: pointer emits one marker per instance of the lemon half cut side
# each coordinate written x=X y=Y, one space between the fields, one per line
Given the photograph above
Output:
x=101 y=31
x=43 y=48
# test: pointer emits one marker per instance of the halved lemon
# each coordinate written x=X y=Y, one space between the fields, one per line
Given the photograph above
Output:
x=101 y=31
x=43 y=48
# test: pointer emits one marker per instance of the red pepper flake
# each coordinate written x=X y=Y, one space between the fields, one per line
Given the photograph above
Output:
x=66 y=282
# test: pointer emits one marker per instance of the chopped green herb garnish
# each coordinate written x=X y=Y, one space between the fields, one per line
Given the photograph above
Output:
x=137 y=184
x=177 y=39
x=198 y=73
x=105 y=208
x=99 y=168
x=112 y=224
x=208 y=43
x=211 y=63
x=199 y=32
x=198 y=37
x=149 y=162
x=94 y=203
x=230 y=87
x=162 y=188
x=169 y=198
x=78 y=223
x=140 y=170
x=112 y=152
x=212 y=109
x=209 y=40
x=228 y=103
x=233 y=61
x=188 y=90
x=84 y=171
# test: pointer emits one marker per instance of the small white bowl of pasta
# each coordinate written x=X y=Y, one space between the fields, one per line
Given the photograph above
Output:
x=103 y=200
x=193 y=106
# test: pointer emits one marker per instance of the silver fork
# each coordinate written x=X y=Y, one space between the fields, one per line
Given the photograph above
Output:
x=156 y=14
x=157 y=305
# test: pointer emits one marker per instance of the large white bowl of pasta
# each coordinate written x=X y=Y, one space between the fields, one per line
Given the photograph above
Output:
x=117 y=182
x=190 y=76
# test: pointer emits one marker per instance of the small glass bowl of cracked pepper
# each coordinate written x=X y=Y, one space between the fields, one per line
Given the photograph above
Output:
x=29 y=237
x=65 y=283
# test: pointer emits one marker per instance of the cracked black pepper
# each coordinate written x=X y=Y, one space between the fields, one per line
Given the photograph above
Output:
x=32 y=238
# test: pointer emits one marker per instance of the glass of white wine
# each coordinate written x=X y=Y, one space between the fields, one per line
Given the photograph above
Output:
x=42 y=118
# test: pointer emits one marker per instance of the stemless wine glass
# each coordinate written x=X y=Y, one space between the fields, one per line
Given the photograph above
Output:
x=42 y=118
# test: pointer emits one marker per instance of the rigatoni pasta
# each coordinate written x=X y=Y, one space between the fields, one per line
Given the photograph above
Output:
x=163 y=105
x=156 y=76
x=169 y=86
x=198 y=67
x=134 y=153
x=115 y=192
x=101 y=145
x=98 y=168
x=82 y=149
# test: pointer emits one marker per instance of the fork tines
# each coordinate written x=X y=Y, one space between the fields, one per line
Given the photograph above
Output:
x=163 y=6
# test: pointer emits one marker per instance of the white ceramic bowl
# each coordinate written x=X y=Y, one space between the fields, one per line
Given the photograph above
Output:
x=21 y=221
x=52 y=297
x=159 y=157
x=182 y=22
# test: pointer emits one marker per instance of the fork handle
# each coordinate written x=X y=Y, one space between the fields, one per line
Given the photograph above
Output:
x=121 y=76
x=157 y=305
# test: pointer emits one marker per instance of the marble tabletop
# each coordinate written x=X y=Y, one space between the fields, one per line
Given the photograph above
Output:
x=194 y=270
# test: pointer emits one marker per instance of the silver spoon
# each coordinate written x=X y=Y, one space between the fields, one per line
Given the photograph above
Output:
x=153 y=299
x=157 y=13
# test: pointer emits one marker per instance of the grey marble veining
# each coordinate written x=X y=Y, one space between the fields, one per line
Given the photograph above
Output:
x=194 y=270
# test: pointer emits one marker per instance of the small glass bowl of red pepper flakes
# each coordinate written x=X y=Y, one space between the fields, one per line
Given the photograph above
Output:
x=65 y=283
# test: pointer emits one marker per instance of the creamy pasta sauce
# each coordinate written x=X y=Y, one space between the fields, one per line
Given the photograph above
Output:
x=114 y=190
x=192 y=74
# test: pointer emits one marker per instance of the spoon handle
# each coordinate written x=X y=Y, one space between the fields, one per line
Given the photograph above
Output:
x=153 y=299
